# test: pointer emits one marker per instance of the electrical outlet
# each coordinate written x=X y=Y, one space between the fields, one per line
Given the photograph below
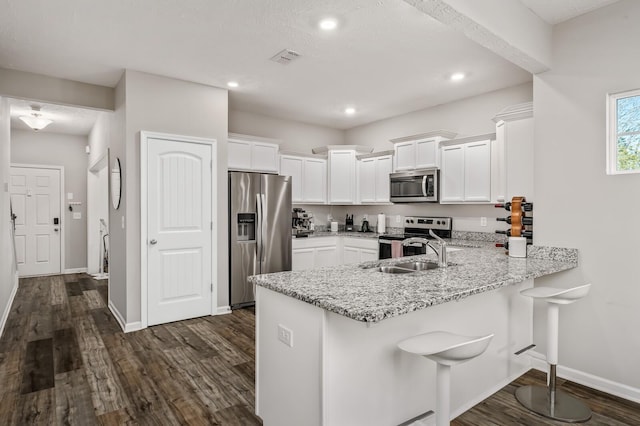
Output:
x=398 y=220
x=483 y=221
x=285 y=335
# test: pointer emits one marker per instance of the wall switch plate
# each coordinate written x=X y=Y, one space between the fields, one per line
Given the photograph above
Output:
x=285 y=335
x=398 y=219
x=70 y=195
x=483 y=221
x=122 y=222
x=77 y=215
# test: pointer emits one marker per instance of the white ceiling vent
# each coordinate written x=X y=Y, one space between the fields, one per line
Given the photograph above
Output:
x=285 y=56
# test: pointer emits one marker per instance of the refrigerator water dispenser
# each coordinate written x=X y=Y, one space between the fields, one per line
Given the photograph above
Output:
x=246 y=227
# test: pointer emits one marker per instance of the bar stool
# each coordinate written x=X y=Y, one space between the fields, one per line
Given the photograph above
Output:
x=446 y=349
x=546 y=400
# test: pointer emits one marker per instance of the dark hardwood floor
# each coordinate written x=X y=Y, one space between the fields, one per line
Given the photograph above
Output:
x=65 y=361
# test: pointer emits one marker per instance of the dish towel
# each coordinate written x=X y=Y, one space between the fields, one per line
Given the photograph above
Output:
x=396 y=249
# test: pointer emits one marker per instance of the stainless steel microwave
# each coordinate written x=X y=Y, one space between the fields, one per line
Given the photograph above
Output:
x=418 y=186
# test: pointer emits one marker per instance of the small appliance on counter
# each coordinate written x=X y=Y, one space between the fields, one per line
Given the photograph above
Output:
x=301 y=223
x=415 y=226
x=365 y=226
x=348 y=224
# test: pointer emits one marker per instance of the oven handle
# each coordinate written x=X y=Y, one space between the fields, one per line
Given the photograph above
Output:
x=384 y=241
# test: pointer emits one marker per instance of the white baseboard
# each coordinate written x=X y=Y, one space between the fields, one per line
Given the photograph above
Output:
x=126 y=327
x=75 y=271
x=7 y=309
x=222 y=310
x=538 y=361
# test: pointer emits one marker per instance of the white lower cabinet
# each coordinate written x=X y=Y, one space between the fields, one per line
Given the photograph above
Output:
x=358 y=250
x=317 y=252
x=310 y=253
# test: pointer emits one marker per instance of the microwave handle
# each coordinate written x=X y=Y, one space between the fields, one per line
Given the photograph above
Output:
x=424 y=185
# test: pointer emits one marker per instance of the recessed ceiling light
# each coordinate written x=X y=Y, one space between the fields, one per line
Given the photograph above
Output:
x=328 y=24
x=350 y=110
x=457 y=76
x=232 y=84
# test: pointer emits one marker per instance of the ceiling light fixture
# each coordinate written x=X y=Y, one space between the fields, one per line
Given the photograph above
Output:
x=457 y=76
x=233 y=84
x=328 y=24
x=350 y=110
x=35 y=119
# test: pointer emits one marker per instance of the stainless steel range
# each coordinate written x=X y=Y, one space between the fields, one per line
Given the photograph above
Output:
x=415 y=226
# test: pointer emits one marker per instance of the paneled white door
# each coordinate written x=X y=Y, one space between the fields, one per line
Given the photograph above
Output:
x=179 y=223
x=35 y=198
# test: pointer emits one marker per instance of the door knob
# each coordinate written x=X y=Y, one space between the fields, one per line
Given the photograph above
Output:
x=153 y=242
x=55 y=229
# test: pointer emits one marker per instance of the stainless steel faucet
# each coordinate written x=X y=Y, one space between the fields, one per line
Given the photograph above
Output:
x=442 y=253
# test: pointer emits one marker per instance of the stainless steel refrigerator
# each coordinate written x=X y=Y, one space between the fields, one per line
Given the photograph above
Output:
x=259 y=230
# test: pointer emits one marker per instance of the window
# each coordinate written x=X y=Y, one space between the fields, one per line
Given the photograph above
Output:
x=623 y=132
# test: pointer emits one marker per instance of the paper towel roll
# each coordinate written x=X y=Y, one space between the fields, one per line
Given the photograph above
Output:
x=381 y=223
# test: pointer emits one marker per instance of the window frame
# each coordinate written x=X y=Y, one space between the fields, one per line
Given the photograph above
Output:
x=612 y=131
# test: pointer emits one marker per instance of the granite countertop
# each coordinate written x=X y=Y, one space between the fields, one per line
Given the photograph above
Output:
x=362 y=293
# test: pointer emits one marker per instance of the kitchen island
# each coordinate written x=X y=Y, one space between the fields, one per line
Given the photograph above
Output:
x=326 y=338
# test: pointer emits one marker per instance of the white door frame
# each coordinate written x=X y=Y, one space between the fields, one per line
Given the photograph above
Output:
x=63 y=211
x=144 y=211
x=101 y=163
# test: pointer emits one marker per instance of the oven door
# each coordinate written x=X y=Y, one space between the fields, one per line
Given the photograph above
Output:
x=414 y=187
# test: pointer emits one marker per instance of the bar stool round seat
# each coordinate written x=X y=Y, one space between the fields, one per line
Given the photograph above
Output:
x=446 y=349
x=546 y=400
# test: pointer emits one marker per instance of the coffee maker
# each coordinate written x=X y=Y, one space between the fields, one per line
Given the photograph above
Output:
x=301 y=223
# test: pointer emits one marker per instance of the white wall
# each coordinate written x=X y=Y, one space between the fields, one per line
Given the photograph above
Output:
x=7 y=271
x=578 y=205
x=53 y=149
x=159 y=104
x=295 y=136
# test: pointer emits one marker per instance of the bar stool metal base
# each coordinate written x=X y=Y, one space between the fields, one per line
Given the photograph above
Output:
x=563 y=407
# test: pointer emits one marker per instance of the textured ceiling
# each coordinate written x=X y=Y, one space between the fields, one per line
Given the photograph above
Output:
x=386 y=58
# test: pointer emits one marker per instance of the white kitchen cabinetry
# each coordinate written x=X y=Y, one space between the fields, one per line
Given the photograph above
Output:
x=513 y=152
x=252 y=153
x=342 y=179
x=419 y=151
x=310 y=253
x=308 y=178
x=373 y=177
x=465 y=175
x=358 y=250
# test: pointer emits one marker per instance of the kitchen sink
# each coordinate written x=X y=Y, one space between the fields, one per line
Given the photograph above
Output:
x=417 y=266
x=394 y=270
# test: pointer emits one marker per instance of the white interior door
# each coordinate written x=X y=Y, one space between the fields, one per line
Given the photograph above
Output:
x=179 y=230
x=35 y=197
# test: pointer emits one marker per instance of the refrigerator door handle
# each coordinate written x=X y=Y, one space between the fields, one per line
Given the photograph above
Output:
x=263 y=229
x=259 y=224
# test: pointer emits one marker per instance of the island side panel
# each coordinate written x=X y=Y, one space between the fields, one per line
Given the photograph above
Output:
x=288 y=379
x=368 y=381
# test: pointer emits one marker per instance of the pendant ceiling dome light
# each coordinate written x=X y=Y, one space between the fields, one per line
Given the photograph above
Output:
x=35 y=120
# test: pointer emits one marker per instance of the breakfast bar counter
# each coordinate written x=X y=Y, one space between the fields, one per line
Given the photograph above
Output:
x=326 y=338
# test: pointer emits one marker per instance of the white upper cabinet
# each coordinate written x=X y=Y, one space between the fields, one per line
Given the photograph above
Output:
x=373 y=178
x=342 y=177
x=308 y=178
x=465 y=175
x=252 y=153
x=513 y=153
x=419 y=151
